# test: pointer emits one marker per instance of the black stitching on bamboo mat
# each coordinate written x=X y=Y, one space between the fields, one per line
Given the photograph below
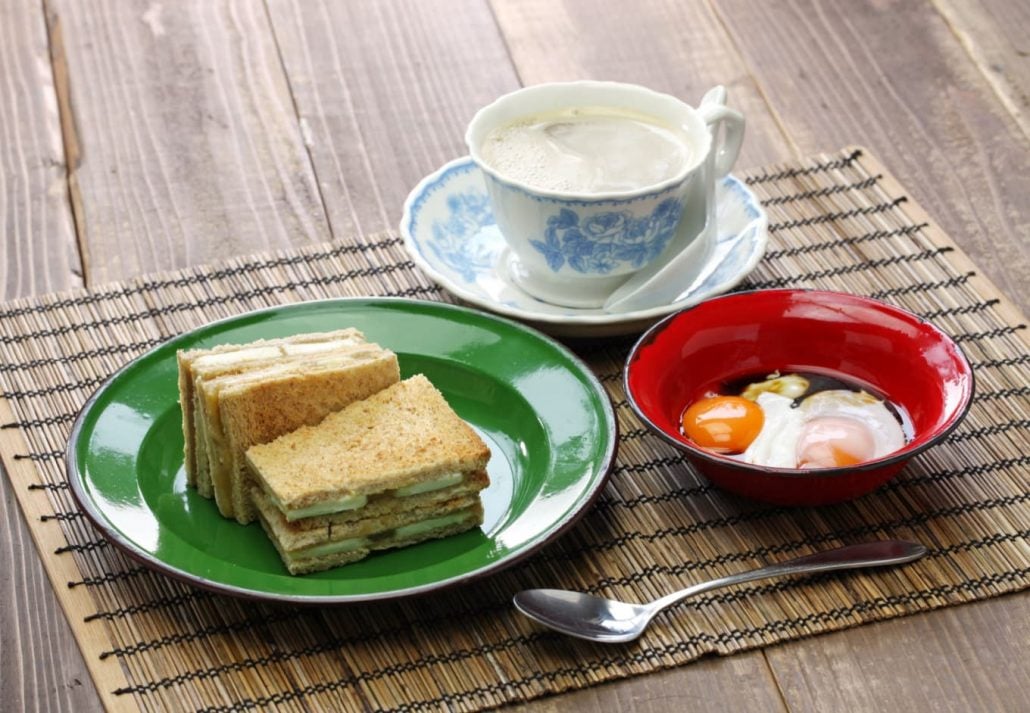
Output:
x=649 y=465
x=848 y=269
x=989 y=334
x=922 y=287
x=668 y=496
x=553 y=555
x=110 y=350
x=62 y=516
x=633 y=435
x=330 y=645
x=82 y=547
x=1001 y=394
x=198 y=279
x=56 y=420
x=190 y=595
x=109 y=577
x=261 y=620
x=948 y=474
x=837 y=216
x=682 y=568
x=823 y=192
x=994 y=363
x=55 y=389
x=263 y=291
x=843 y=242
x=954 y=311
x=765 y=177
x=53 y=487
x=991 y=430
x=51 y=455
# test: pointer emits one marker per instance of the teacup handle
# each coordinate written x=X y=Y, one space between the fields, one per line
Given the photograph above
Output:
x=714 y=111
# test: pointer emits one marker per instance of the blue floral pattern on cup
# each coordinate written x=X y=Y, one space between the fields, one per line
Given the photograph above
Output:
x=453 y=243
x=604 y=242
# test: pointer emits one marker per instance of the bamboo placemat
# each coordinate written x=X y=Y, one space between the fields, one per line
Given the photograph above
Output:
x=837 y=222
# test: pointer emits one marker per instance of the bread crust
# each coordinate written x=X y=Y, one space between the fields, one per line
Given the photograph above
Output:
x=404 y=435
x=186 y=363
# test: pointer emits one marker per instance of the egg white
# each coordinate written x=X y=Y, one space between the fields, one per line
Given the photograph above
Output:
x=860 y=406
x=776 y=443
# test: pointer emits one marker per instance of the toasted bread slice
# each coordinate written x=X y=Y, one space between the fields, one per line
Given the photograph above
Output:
x=261 y=405
x=197 y=364
x=404 y=437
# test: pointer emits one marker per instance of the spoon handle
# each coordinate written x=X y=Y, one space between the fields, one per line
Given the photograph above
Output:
x=869 y=554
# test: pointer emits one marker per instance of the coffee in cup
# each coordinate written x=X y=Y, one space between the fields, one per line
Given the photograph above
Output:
x=588 y=150
x=594 y=182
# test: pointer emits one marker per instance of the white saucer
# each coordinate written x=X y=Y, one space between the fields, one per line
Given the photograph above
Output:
x=448 y=228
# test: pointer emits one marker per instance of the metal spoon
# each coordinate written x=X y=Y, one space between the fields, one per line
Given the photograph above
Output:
x=598 y=619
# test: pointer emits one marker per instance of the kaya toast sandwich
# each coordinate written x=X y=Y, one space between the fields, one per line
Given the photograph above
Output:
x=264 y=397
x=197 y=364
x=394 y=469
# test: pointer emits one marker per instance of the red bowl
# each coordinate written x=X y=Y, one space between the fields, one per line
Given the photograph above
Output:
x=894 y=352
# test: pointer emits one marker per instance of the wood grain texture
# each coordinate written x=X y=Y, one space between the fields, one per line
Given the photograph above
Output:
x=969 y=658
x=996 y=35
x=676 y=47
x=190 y=146
x=38 y=252
x=892 y=76
x=41 y=668
x=737 y=683
x=192 y=150
x=384 y=91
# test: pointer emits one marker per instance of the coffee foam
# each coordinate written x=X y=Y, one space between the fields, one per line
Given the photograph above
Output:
x=587 y=150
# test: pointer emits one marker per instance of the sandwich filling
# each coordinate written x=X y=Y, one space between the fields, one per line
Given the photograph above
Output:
x=342 y=503
x=396 y=468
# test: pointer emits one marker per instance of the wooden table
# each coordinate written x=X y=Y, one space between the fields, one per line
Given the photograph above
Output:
x=137 y=136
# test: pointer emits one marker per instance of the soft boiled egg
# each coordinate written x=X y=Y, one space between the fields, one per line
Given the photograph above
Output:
x=724 y=424
x=844 y=428
x=828 y=429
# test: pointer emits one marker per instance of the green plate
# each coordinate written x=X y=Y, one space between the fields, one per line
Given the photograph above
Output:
x=547 y=420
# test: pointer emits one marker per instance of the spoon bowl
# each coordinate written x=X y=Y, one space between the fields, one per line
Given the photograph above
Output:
x=594 y=618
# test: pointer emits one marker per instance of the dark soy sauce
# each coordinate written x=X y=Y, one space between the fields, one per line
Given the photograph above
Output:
x=822 y=381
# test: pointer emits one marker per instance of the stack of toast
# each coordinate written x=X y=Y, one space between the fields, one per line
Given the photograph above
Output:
x=397 y=468
x=316 y=436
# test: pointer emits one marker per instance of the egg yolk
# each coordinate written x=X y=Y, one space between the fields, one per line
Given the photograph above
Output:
x=725 y=424
x=834 y=441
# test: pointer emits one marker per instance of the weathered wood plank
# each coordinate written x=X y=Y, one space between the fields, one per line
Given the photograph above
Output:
x=996 y=34
x=970 y=658
x=37 y=244
x=384 y=91
x=41 y=667
x=675 y=47
x=892 y=76
x=190 y=145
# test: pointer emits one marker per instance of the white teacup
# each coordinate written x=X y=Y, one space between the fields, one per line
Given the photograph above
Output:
x=576 y=246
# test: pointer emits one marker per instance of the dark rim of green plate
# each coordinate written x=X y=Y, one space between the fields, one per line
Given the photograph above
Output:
x=557 y=528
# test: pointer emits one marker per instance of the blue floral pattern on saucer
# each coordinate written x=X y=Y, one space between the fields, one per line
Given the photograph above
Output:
x=606 y=241
x=453 y=242
x=449 y=230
